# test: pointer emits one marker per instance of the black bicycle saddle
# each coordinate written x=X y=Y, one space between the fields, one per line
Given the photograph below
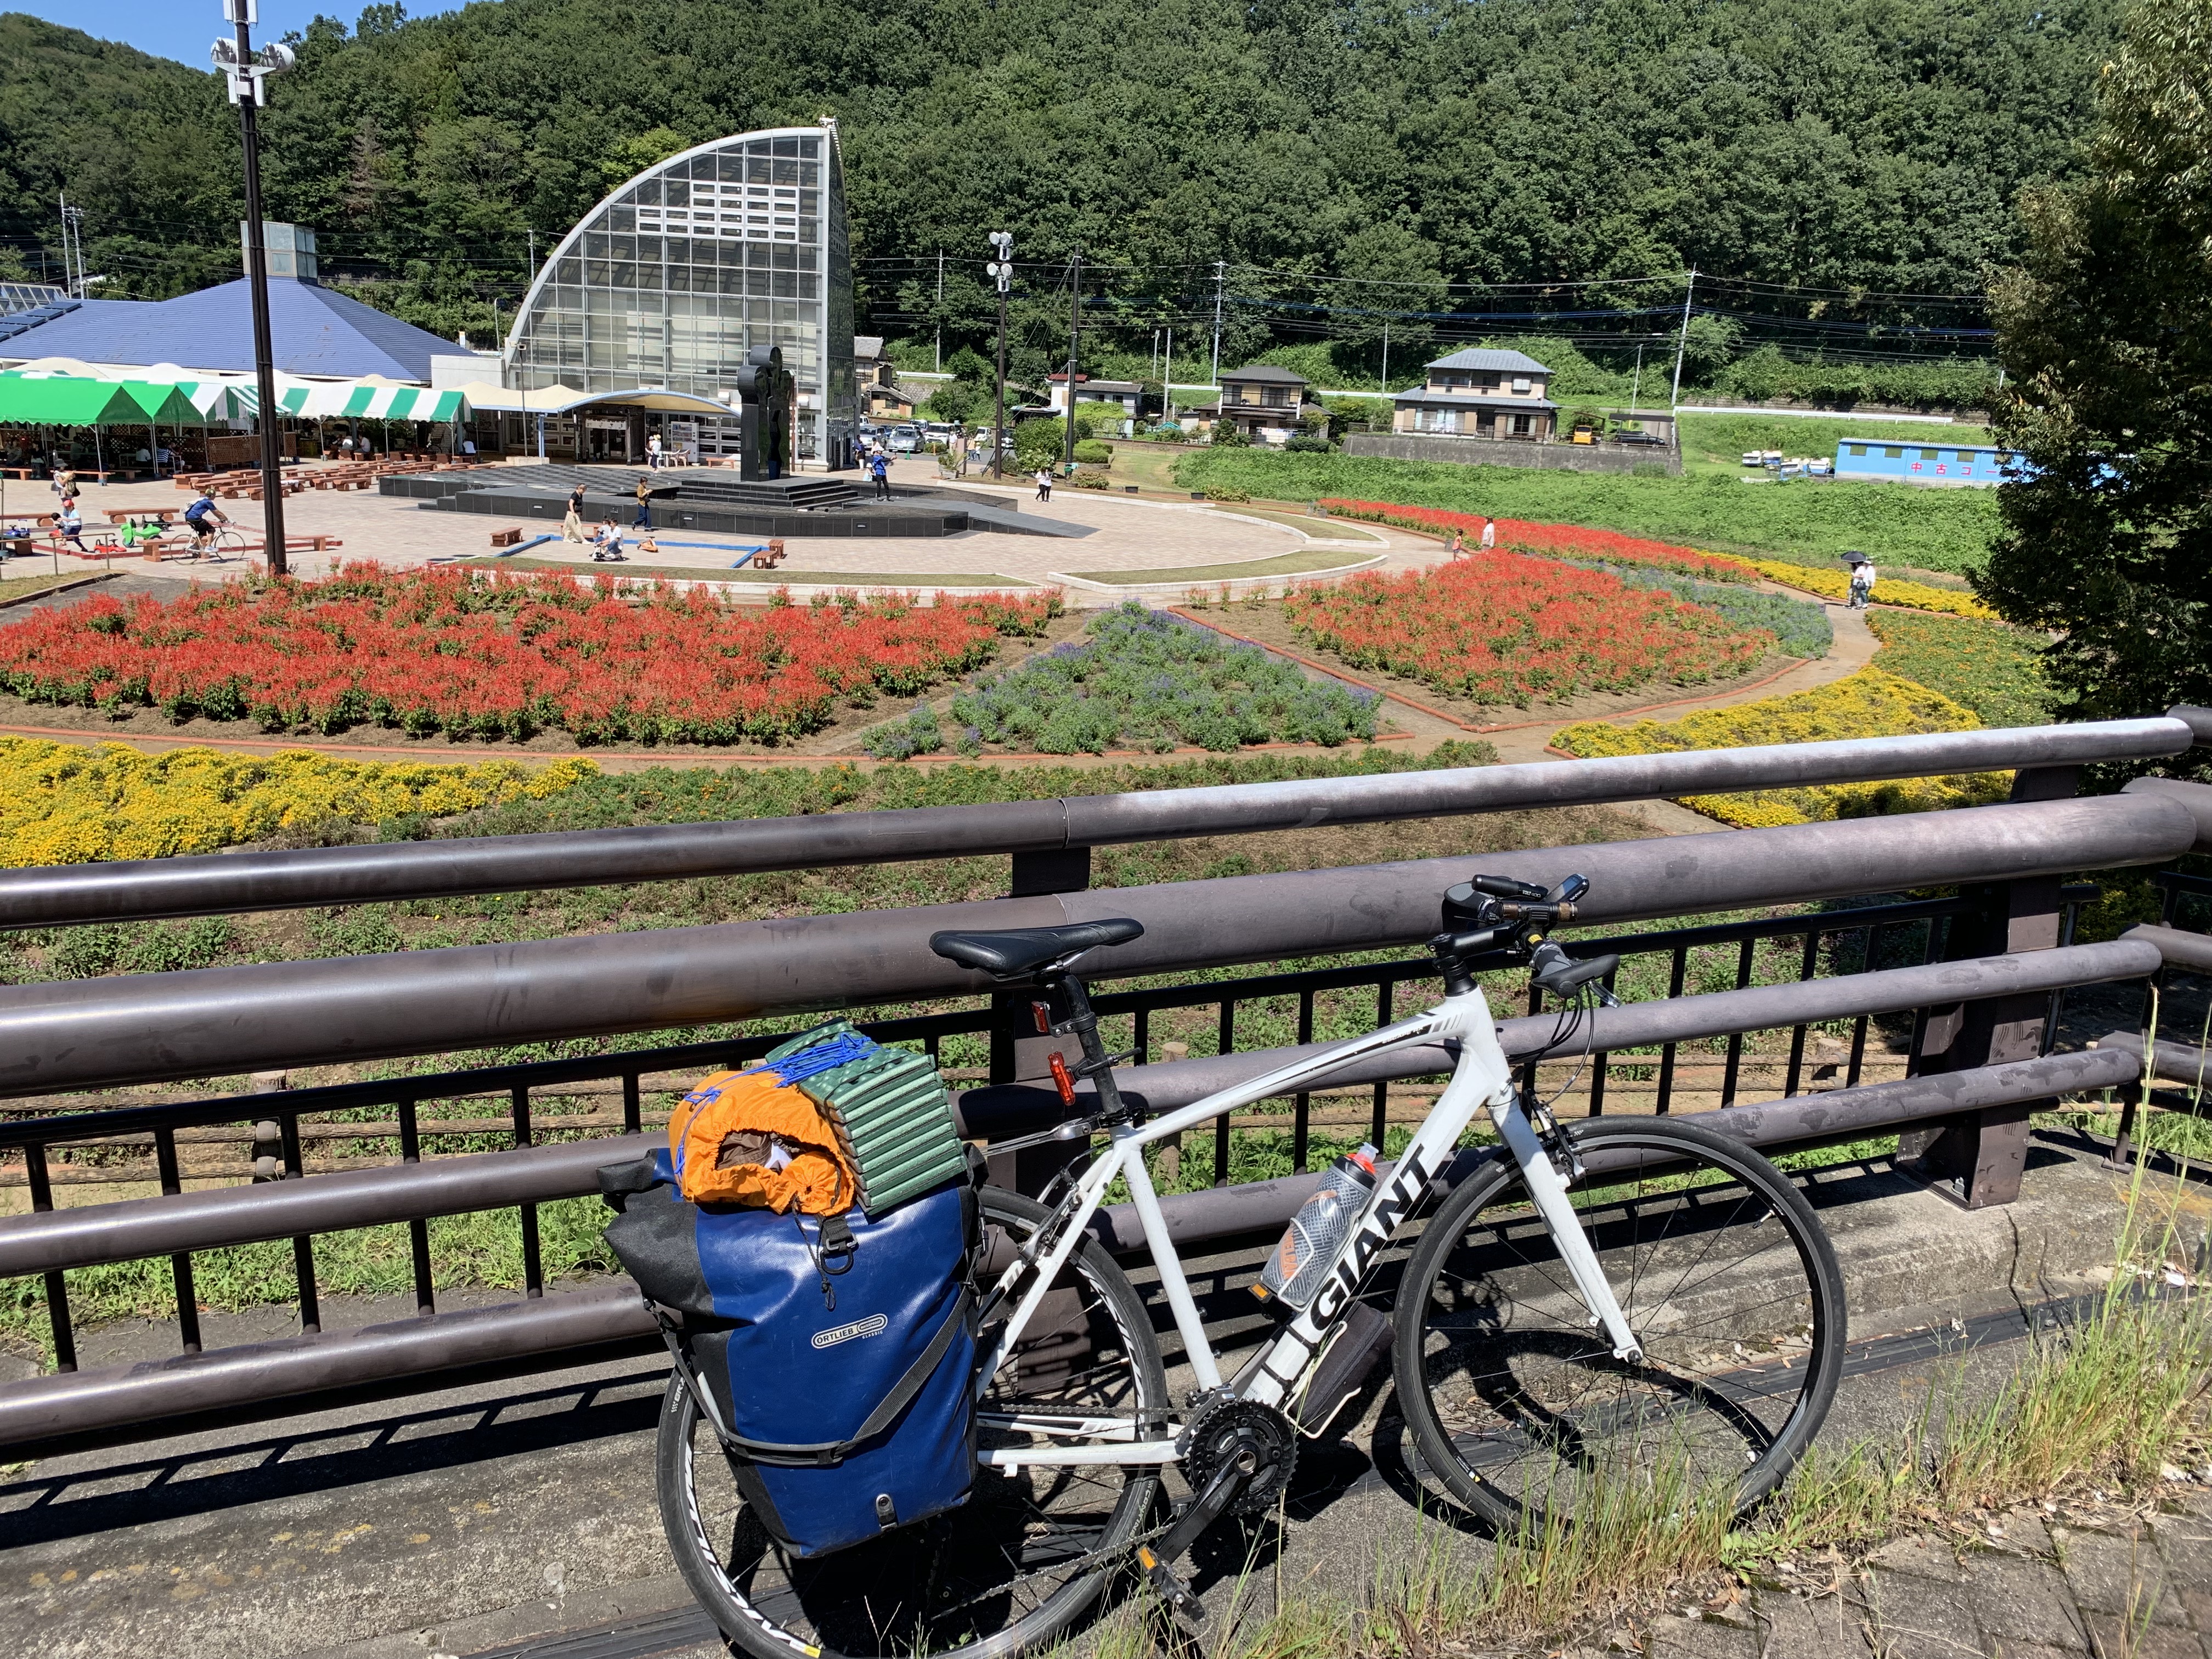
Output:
x=1019 y=952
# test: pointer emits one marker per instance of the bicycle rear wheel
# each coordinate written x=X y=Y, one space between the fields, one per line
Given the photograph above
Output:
x=1019 y=1562
x=1518 y=1405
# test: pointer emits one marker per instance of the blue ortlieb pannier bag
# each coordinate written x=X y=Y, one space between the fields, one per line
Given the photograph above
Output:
x=835 y=1356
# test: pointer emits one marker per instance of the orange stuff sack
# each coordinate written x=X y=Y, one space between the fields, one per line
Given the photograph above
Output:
x=748 y=1138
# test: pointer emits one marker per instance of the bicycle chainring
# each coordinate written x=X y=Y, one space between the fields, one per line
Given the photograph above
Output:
x=1220 y=1425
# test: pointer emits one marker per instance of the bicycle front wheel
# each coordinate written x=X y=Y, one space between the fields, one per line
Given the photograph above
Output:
x=1515 y=1400
x=1019 y=1562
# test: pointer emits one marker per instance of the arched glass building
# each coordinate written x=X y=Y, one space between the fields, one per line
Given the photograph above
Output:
x=670 y=281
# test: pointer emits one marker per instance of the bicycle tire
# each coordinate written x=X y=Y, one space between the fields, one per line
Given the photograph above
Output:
x=916 y=1590
x=1727 y=1278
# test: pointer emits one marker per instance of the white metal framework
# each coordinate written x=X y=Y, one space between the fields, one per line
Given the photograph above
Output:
x=671 y=281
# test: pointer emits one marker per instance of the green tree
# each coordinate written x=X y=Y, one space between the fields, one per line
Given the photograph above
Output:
x=2107 y=333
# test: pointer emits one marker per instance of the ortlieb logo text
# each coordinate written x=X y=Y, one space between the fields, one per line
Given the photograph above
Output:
x=859 y=1328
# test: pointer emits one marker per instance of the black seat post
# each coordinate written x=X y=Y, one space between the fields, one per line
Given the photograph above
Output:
x=1096 y=1066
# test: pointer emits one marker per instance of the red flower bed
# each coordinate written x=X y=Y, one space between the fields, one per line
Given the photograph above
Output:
x=1566 y=541
x=478 y=653
x=1502 y=628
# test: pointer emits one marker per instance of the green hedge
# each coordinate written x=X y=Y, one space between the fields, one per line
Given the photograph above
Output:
x=1095 y=452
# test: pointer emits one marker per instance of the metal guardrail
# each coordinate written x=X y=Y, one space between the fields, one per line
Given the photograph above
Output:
x=197 y=1023
x=228 y=883
x=214 y=1022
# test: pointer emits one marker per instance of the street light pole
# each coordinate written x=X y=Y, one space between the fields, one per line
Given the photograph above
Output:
x=1002 y=268
x=245 y=72
x=1074 y=323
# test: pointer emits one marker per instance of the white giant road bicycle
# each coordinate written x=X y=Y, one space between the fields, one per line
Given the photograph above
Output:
x=1618 y=1298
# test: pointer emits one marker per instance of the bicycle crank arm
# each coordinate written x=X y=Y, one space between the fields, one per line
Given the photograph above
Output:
x=1227 y=1486
x=1550 y=1193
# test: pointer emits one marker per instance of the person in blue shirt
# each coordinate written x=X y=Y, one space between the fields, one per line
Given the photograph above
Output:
x=880 y=469
x=203 y=516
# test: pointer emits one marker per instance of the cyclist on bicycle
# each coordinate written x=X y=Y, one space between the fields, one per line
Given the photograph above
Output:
x=203 y=516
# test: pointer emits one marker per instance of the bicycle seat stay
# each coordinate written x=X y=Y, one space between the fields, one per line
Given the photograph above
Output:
x=1017 y=953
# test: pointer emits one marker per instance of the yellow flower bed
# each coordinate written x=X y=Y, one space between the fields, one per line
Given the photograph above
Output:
x=1837 y=585
x=66 y=804
x=1867 y=704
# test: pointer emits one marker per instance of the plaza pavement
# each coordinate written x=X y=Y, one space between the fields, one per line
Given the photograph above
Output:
x=1125 y=533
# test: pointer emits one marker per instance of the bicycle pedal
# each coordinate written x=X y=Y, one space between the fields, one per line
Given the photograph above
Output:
x=1181 y=1600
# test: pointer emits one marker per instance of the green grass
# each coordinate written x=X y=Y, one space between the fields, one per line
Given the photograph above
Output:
x=1805 y=522
x=1283 y=564
x=22 y=587
x=785 y=575
x=1994 y=670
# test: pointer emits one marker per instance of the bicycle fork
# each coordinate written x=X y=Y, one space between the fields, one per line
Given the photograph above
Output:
x=1549 y=1192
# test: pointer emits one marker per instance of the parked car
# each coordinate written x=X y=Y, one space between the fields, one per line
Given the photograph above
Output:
x=904 y=440
x=1626 y=437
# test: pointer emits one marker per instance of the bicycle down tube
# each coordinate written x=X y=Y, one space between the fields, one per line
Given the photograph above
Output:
x=1481 y=1078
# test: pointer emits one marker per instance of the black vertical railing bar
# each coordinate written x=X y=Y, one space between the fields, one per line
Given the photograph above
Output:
x=1302 y=1105
x=1745 y=954
x=1386 y=999
x=303 y=1244
x=634 y=1106
x=1806 y=964
x=2069 y=916
x=418 y=1231
x=1674 y=978
x=180 y=1265
x=1141 y=1040
x=1227 y=1039
x=58 y=1308
x=533 y=1267
x=1601 y=1063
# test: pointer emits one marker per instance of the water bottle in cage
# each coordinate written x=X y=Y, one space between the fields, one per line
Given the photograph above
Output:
x=1297 y=1267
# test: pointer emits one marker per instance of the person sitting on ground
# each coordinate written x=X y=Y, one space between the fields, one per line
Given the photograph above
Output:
x=201 y=518
x=648 y=548
x=606 y=546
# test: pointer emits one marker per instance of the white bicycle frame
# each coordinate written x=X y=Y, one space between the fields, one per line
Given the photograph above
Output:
x=1482 y=1079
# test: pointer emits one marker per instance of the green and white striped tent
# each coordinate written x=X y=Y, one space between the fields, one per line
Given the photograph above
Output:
x=337 y=400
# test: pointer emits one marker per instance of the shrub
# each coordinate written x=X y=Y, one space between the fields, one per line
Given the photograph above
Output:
x=1503 y=627
x=1228 y=493
x=1091 y=481
x=1992 y=669
x=493 y=654
x=917 y=734
x=1799 y=626
x=1094 y=451
x=1867 y=704
x=1227 y=434
x=1145 y=680
x=1308 y=443
x=64 y=804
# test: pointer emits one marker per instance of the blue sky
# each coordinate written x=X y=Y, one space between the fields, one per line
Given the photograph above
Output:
x=184 y=29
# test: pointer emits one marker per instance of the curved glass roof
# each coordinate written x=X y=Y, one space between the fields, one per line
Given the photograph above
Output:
x=675 y=277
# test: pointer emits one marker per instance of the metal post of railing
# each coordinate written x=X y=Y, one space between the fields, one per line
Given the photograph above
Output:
x=1675 y=978
x=1302 y=1105
x=58 y=1308
x=1018 y=1054
x=1744 y=957
x=1386 y=998
x=1806 y=964
x=533 y=1265
x=303 y=1244
x=1978 y=1159
x=180 y=1265
x=1225 y=1043
x=418 y=1232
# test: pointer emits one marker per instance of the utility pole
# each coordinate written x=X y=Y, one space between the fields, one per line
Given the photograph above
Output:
x=1167 y=381
x=1220 y=280
x=1682 y=346
x=246 y=72
x=1074 y=328
x=1386 y=356
x=1637 y=384
x=73 y=273
x=1002 y=268
x=941 y=311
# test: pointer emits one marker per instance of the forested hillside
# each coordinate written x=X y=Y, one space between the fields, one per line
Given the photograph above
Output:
x=1853 y=145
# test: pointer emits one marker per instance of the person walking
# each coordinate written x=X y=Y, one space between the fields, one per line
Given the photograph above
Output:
x=880 y=469
x=572 y=524
x=652 y=452
x=1458 y=542
x=1861 y=580
x=1044 y=483
x=1489 y=534
x=64 y=484
x=644 y=520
